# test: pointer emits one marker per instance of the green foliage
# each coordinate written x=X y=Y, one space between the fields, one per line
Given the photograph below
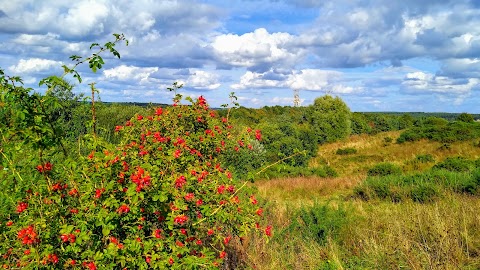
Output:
x=424 y=192
x=109 y=116
x=286 y=142
x=455 y=164
x=438 y=129
x=465 y=117
x=346 y=151
x=160 y=197
x=405 y=121
x=382 y=122
x=421 y=187
x=360 y=124
x=383 y=169
x=321 y=222
x=330 y=118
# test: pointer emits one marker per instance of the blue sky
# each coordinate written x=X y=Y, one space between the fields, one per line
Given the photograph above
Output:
x=376 y=55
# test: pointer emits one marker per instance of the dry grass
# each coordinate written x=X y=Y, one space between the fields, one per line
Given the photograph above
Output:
x=373 y=149
x=381 y=235
x=442 y=235
x=305 y=189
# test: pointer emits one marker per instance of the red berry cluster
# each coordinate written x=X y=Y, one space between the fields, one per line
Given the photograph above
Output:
x=68 y=238
x=28 y=236
x=141 y=179
x=45 y=167
x=22 y=207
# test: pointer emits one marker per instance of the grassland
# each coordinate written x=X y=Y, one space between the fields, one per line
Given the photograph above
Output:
x=320 y=223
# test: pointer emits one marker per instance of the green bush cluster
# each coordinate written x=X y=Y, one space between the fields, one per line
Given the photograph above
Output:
x=456 y=164
x=438 y=129
x=383 y=169
x=320 y=222
x=421 y=187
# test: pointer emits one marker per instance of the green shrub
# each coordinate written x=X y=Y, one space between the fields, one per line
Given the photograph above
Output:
x=421 y=187
x=383 y=169
x=455 y=164
x=411 y=135
x=465 y=117
x=160 y=198
x=424 y=192
x=346 y=151
x=320 y=222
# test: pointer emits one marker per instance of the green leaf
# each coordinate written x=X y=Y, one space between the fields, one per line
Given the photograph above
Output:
x=106 y=230
x=93 y=45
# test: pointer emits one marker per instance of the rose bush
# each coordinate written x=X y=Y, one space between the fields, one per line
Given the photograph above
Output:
x=162 y=198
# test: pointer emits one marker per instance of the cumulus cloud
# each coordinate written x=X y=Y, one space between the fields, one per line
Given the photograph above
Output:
x=326 y=81
x=426 y=83
x=203 y=80
x=269 y=79
x=312 y=79
x=128 y=73
x=266 y=45
x=93 y=18
x=256 y=50
x=26 y=66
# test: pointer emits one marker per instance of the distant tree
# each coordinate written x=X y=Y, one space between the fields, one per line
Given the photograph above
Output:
x=360 y=124
x=435 y=121
x=330 y=118
x=465 y=117
x=405 y=121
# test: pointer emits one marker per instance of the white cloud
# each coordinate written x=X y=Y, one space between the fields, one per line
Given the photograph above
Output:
x=312 y=79
x=33 y=65
x=203 y=80
x=307 y=79
x=126 y=73
x=36 y=40
x=256 y=80
x=257 y=48
x=427 y=83
x=85 y=17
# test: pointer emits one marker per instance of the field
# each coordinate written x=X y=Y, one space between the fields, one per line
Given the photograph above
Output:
x=191 y=187
x=320 y=224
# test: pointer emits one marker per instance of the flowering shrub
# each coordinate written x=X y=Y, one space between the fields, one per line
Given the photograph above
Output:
x=162 y=198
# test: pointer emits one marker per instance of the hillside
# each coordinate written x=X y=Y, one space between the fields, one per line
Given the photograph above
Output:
x=322 y=224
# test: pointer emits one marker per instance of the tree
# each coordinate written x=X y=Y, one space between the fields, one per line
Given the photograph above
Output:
x=330 y=119
x=465 y=117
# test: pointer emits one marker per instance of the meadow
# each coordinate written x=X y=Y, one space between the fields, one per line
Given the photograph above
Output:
x=323 y=223
x=86 y=184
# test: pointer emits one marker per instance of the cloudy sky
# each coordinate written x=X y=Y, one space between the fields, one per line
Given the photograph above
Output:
x=377 y=55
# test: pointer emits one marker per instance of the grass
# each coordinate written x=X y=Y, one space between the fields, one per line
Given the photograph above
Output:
x=373 y=235
x=321 y=224
x=372 y=149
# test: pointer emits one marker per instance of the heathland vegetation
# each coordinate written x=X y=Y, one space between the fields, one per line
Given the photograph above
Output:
x=87 y=185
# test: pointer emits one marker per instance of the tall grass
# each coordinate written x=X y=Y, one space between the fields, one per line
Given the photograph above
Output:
x=424 y=219
x=372 y=235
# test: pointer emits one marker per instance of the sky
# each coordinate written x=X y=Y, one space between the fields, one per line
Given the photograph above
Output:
x=377 y=55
